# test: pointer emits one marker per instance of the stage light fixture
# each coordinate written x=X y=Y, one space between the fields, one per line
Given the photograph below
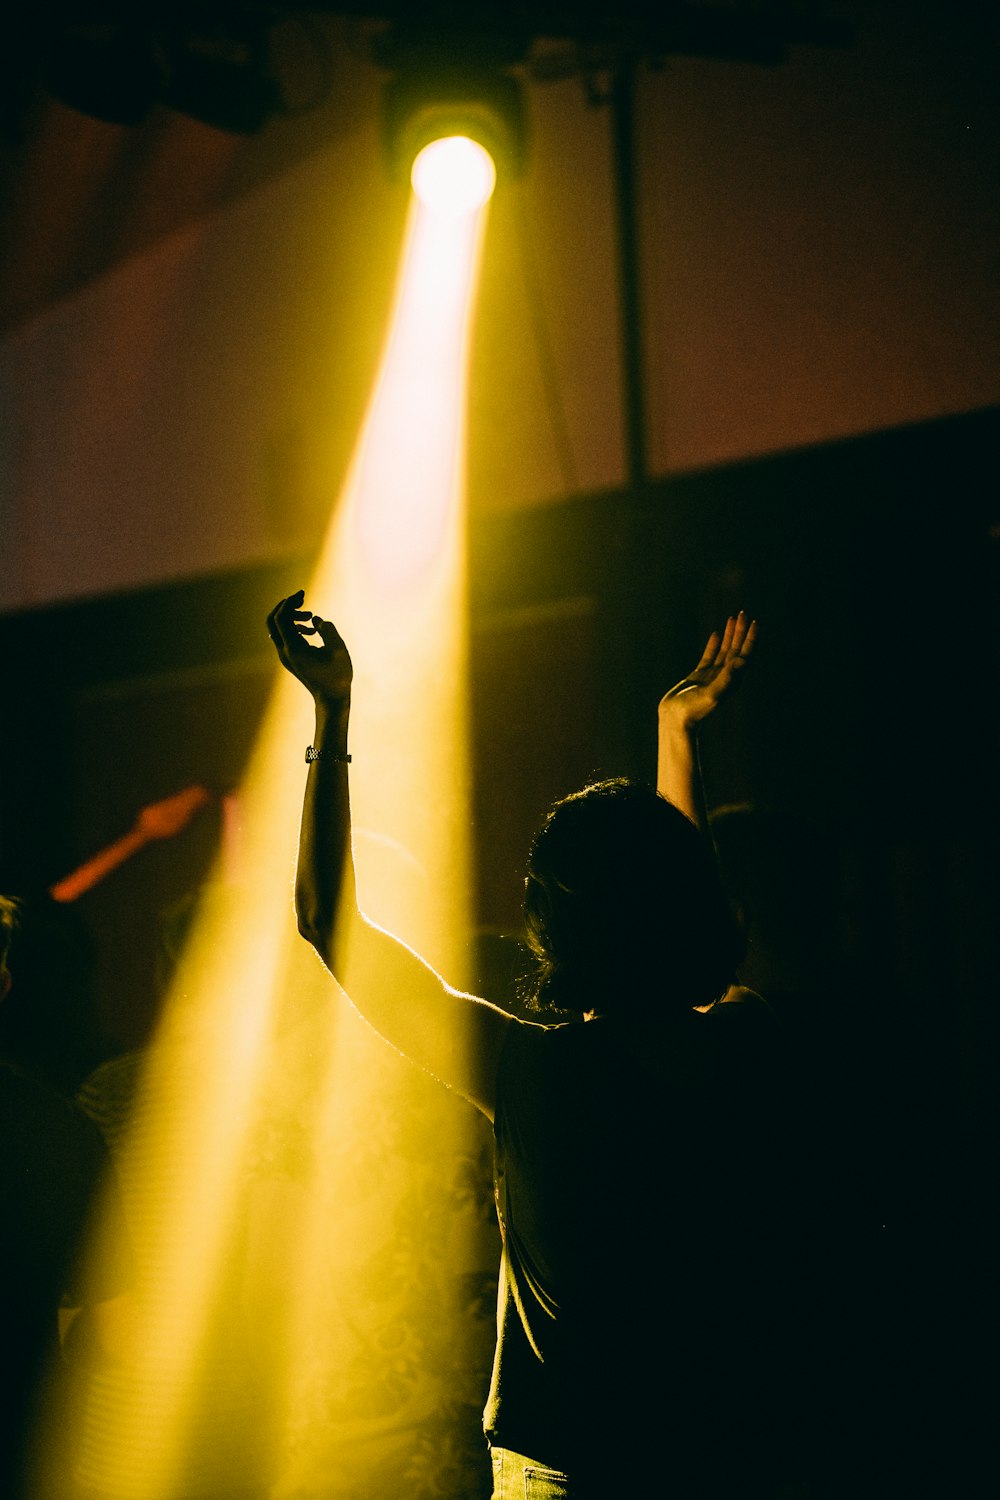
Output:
x=425 y=104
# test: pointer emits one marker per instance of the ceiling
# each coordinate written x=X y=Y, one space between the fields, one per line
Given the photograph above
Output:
x=106 y=146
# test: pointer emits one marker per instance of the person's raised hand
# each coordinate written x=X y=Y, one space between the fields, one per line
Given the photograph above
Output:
x=723 y=660
x=323 y=666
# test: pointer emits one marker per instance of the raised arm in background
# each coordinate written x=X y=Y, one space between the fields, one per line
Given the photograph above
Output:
x=683 y=710
x=160 y=820
x=454 y=1036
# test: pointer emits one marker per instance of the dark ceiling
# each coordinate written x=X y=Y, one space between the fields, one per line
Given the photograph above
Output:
x=120 y=123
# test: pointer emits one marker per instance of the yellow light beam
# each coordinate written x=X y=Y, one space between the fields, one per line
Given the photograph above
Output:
x=250 y=1037
x=393 y=577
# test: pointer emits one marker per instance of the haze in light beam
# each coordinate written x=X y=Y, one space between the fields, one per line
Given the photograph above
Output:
x=257 y=1282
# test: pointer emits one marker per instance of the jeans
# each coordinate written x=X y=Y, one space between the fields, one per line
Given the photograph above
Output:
x=518 y=1478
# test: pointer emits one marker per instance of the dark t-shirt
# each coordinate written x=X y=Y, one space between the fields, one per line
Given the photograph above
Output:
x=641 y=1195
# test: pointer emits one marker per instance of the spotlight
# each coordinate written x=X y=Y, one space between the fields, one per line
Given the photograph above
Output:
x=482 y=105
x=454 y=175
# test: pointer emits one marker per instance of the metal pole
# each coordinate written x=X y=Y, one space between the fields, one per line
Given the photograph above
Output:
x=623 y=165
x=629 y=603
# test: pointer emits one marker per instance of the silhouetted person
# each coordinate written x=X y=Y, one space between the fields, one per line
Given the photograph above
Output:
x=638 y=1163
x=52 y=1165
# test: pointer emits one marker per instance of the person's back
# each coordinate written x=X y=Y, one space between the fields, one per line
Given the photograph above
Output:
x=636 y=1187
x=625 y=1142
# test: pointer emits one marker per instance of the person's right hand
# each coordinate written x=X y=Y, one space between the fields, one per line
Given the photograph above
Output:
x=723 y=660
x=325 y=669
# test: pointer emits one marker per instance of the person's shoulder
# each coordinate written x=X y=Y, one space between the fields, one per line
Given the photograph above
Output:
x=538 y=1054
x=531 y=1031
x=747 y=1034
x=541 y=1036
x=741 y=1006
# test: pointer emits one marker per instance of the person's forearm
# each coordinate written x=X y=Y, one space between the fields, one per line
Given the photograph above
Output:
x=455 y=1037
x=324 y=882
x=678 y=769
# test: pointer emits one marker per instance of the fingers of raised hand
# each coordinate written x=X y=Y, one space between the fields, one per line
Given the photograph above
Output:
x=741 y=645
x=327 y=631
x=737 y=640
x=726 y=643
x=288 y=623
x=280 y=620
x=709 y=654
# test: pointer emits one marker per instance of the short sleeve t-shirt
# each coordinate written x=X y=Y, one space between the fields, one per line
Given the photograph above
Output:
x=618 y=1183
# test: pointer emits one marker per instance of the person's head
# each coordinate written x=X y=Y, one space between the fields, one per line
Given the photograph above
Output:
x=623 y=907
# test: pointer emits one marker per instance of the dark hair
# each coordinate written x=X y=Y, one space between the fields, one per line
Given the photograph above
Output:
x=623 y=906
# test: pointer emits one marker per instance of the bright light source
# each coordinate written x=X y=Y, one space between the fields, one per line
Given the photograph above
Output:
x=454 y=175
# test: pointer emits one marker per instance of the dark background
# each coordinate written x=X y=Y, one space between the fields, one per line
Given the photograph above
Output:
x=871 y=566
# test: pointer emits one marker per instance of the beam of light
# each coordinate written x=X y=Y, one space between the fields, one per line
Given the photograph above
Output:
x=277 y=1147
x=394 y=573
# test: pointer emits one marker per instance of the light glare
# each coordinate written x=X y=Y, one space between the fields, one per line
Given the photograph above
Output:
x=454 y=175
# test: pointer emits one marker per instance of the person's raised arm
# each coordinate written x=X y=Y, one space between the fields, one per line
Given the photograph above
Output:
x=683 y=710
x=454 y=1036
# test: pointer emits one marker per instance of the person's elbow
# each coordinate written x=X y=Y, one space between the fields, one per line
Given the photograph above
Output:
x=315 y=926
x=317 y=922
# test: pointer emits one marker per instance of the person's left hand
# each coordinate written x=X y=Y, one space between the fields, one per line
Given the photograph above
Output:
x=725 y=656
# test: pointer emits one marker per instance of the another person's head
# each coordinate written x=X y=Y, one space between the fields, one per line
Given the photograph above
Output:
x=623 y=908
x=8 y=925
